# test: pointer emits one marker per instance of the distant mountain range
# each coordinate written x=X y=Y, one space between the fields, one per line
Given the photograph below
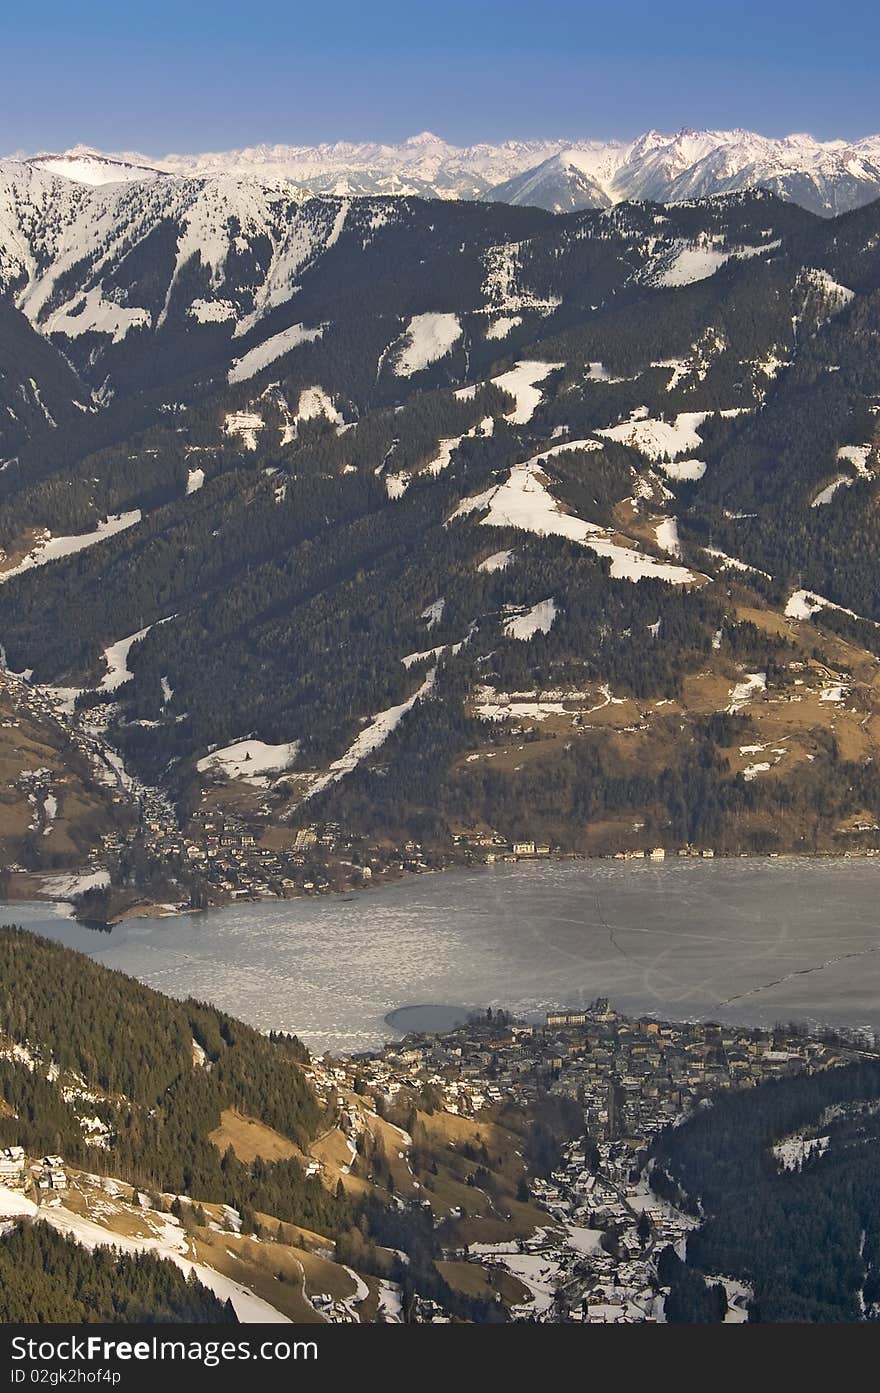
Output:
x=827 y=177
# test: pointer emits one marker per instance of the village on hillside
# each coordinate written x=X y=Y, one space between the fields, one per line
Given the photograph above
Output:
x=586 y=1238
x=596 y=1259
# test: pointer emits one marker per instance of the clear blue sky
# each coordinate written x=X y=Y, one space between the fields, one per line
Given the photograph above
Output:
x=194 y=75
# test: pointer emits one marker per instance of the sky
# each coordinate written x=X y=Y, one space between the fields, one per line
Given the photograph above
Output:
x=195 y=75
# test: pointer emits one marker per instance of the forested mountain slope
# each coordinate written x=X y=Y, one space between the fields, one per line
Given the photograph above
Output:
x=279 y=1182
x=428 y=517
x=784 y=1177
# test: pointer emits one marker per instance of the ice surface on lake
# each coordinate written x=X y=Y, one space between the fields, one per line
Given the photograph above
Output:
x=755 y=941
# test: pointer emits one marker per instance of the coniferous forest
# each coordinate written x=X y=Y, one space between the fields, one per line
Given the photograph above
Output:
x=806 y=1239
x=46 y=1278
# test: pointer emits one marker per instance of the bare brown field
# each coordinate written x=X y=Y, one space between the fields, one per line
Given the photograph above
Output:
x=271 y=1271
x=524 y=1220
x=472 y=1279
x=251 y=1140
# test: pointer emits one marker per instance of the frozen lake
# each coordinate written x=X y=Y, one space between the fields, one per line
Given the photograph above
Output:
x=744 y=941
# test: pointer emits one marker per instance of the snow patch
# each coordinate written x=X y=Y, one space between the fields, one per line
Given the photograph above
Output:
x=666 y=535
x=245 y=425
x=371 y=738
x=743 y=691
x=313 y=403
x=520 y=382
x=211 y=311
x=537 y=620
x=496 y=562
x=272 y=348
x=857 y=456
x=250 y=760
x=685 y=469
x=753 y=770
x=64 y=887
x=791 y=1153
x=524 y=501
x=688 y=264
x=504 y=325
x=661 y=440
x=427 y=338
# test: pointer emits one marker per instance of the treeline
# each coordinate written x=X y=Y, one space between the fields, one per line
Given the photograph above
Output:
x=48 y=1278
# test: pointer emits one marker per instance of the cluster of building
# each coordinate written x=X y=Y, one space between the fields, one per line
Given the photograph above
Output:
x=46 y=1174
x=490 y=846
x=240 y=861
x=12 y=1167
x=632 y=1078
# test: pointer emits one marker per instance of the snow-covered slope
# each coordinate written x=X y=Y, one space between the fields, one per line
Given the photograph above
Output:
x=86 y=166
x=827 y=177
x=425 y=165
x=68 y=251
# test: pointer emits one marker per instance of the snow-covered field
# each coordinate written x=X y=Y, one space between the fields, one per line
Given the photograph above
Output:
x=666 y=533
x=521 y=382
x=803 y=604
x=660 y=440
x=250 y=759
x=826 y=494
x=502 y=326
x=793 y=1151
x=537 y=620
x=53 y=548
x=315 y=402
x=525 y=501
x=92 y=313
x=245 y=425
x=627 y=564
x=691 y=263
x=170 y=1242
x=427 y=338
x=211 y=311
x=371 y=738
x=496 y=562
x=684 y=468
x=116 y=658
x=64 y=886
x=857 y=456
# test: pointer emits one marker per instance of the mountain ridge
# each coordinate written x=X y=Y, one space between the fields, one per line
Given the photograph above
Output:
x=431 y=523
x=828 y=177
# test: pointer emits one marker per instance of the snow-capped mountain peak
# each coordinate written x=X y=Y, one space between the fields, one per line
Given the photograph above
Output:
x=561 y=175
x=87 y=166
x=426 y=138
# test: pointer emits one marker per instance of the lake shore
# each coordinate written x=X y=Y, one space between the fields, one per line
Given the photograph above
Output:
x=31 y=886
x=751 y=942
